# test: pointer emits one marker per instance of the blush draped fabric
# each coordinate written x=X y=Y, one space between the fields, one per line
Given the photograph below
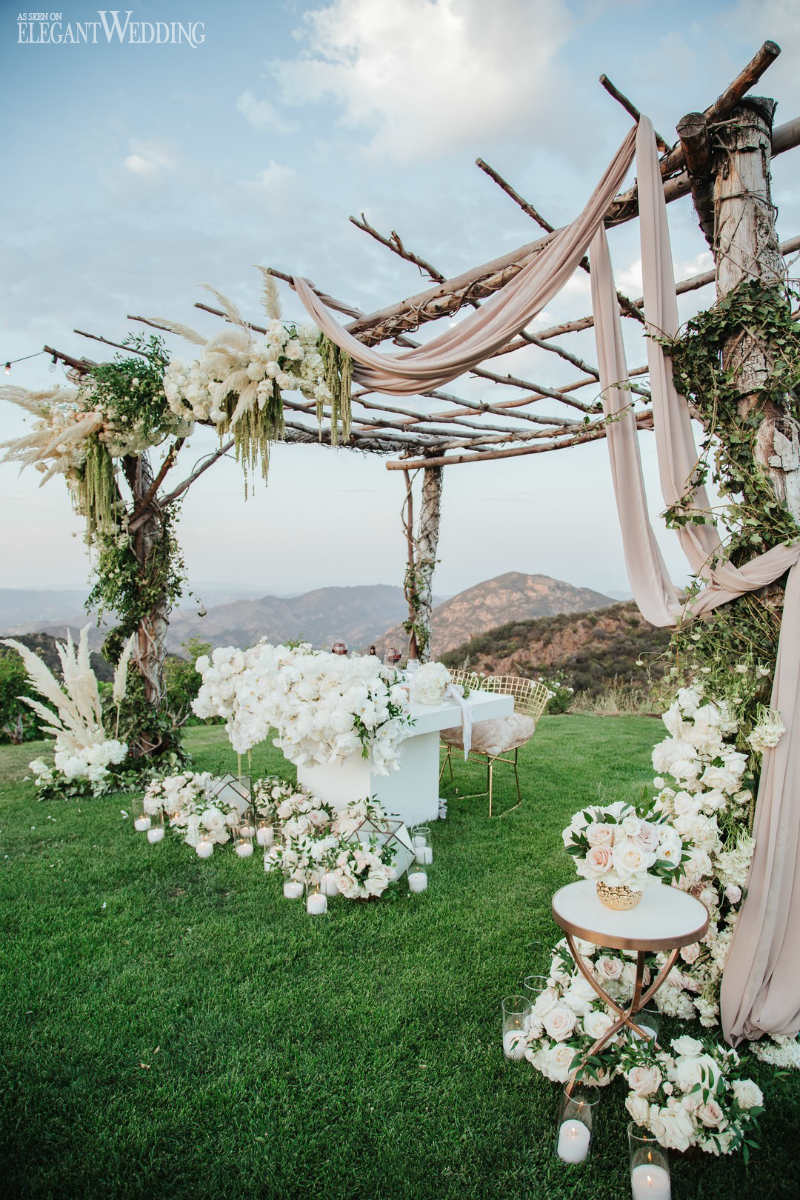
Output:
x=761 y=982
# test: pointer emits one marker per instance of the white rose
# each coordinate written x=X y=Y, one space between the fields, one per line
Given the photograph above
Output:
x=596 y=1022
x=638 y=1108
x=556 y=1063
x=733 y=893
x=599 y=834
x=672 y=1125
x=747 y=1093
x=629 y=859
x=644 y=1080
x=544 y=1002
x=687 y=1047
x=559 y=1022
x=580 y=995
x=608 y=968
x=690 y=954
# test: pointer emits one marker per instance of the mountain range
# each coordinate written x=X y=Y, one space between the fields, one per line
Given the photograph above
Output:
x=357 y=615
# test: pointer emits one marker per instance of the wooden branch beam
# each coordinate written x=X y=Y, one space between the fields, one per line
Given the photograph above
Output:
x=626 y=306
x=82 y=365
x=95 y=337
x=631 y=109
x=693 y=134
x=690 y=284
x=394 y=243
x=592 y=435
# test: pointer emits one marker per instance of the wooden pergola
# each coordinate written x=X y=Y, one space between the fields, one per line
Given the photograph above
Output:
x=524 y=416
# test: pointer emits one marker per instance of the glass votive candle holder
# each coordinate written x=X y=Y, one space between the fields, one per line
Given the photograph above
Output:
x=243 y=846
x=292 y=888
x=649 y=1021
x=516 y=1015
x=650 y=1178
x=574 y=1135
x=316 y=900
x=141 y=822
x=421 y=836
x=417 y=877
x=329 y=884
x=204 y=847
x=155 y=833
x=247 y=827
x=265 y=834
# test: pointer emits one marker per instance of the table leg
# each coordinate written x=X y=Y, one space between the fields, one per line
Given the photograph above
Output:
x=624 y=1016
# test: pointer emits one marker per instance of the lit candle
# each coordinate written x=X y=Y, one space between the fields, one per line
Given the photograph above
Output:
x=424 y=855
x=155 y=834
x=244 y=849
x=265 y=835
x=292 y=889
x=649 y=1181
x=246 y=831
x=330 y=884
x=417 y=881
x=573 y=1141
x=514 y=1044
x=141 y=823
x=420 y=839
x=317 y=903
x=204 y=848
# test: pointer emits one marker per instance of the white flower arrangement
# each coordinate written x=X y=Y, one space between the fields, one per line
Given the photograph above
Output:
x=611 y=842
x=248 y=366
x=364 y=871
x=768 y=732
x=430 y=683
x=325 y=707
x=695 y=1095
x=83 y=751
x=171 y=795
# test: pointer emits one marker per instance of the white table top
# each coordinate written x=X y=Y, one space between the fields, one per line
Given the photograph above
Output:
x=485 y=706
x=664 y=918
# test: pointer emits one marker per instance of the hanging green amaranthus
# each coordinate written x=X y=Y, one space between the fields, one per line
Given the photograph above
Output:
x=95 y=489
x=339 y=379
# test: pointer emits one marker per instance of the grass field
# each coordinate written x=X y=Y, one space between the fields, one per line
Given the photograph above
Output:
x=175 y=1028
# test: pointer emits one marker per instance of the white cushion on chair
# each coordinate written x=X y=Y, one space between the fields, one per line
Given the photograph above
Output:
x=494 y=737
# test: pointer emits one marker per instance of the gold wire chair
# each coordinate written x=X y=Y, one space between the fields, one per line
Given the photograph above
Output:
x=530 y=700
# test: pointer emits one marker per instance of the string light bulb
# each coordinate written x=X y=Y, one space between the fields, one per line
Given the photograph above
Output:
x=8 y=368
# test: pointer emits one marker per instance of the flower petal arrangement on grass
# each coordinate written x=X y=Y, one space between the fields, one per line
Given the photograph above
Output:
x=695 y=1094
x=309 y=840
x=324 y=707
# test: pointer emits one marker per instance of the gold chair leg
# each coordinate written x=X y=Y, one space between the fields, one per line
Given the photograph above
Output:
x=490 y=765
x=515 y=765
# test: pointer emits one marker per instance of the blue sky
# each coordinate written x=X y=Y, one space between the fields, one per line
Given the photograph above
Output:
x=134 y=174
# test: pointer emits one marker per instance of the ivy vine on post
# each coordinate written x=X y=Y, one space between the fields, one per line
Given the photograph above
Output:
x=421 y=559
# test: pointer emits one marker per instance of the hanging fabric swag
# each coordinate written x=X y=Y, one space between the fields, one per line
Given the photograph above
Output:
x=761 y=983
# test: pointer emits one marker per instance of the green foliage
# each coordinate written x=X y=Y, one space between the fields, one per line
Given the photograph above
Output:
x=733 y=651
x=755 y=520
x=130 y=390
x=339 y=378
x=182 y=681
x=17 y=722
x=201 y=1037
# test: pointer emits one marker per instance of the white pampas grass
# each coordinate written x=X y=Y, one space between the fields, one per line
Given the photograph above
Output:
x=121 y=671
x=229 y=308
x=269 y=295
x=183 y=331
x=77 y=721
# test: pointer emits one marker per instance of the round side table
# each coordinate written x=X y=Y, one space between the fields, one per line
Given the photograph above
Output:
x=664 y=919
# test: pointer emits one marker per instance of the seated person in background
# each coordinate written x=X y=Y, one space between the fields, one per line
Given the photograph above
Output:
x=338 y=648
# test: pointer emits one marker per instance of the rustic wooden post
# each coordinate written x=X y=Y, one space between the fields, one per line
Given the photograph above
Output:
x=148 y=656
x=421 y=547
x=746 y=248
x=426 y=545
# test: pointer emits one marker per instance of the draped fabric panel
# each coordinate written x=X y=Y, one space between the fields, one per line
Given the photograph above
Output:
x=761 y=983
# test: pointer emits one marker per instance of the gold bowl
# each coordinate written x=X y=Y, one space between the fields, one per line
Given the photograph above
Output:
x=618 y=896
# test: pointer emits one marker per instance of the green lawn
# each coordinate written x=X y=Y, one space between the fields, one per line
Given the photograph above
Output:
x=175 y=1028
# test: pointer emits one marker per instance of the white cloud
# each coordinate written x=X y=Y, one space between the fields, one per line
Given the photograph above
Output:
x=148 y=159
x=429 y=75
x=261 y=114
x=273 y=178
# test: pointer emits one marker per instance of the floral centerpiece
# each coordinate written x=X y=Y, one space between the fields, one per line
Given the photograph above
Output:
x=431 y=682
x=325 y=707
x=695 y=1094
x=619 y=850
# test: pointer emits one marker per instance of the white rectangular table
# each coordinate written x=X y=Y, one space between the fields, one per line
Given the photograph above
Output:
x=412 y=792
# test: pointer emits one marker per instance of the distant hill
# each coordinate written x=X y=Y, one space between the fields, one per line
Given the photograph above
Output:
x=588 y=649
x=509 y=597
x=354 y=615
